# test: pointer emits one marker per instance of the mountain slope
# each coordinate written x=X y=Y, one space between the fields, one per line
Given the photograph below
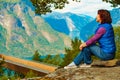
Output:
x=22 y=32
x=115 y=13
x=87 y=31
x=67 y=23
x=81 y=26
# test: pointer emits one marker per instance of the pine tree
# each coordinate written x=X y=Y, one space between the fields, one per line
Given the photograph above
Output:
x=47 y=59
x=71 y=52
x=57 y=60
x=36 y=56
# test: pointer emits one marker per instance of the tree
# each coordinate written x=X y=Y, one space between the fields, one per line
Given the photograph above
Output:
x=36 y=56
x=48 y=58
x=30 y=74
x=1 y=67
x=56 y=60
x=117 y=40
x=114 y=3
x=71 y=52
x=4 y=77
x=46 y=6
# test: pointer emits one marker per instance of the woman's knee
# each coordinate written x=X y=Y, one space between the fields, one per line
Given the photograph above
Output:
x=86 y=49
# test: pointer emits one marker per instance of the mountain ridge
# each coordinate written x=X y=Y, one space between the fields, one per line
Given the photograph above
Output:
x=80 y=26
x=23 y=32
x=93 y=24
x=68 y=23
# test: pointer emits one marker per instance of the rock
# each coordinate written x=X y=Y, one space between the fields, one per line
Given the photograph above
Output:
x=109 y=63
x=110 y=71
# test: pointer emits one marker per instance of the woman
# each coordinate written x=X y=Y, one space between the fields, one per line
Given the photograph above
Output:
x=104 y=36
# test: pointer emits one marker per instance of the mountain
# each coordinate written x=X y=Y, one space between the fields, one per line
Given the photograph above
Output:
x=87 y=31
x=115 y=13
x=74 y=25
x=22 y=32
x=67 y=23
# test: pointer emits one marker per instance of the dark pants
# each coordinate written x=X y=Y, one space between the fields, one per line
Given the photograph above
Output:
x=87 y=52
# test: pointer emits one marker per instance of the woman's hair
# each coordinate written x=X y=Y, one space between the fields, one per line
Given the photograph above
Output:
x=105 y=16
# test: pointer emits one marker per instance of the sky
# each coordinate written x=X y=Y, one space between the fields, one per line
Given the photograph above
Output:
x=88 y=7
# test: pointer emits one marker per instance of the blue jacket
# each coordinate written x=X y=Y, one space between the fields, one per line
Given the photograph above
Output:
x=107 y=42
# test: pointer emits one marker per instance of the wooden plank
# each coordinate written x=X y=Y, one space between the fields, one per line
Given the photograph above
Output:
x=17 y=64
x=21 y=69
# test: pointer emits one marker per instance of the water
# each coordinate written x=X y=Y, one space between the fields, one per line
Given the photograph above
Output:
x=42 y=57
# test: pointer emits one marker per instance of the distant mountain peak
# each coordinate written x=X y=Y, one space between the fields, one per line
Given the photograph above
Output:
x=68 y=23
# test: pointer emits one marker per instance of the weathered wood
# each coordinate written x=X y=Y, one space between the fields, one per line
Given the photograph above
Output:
x=23 y=66
x=21 y=69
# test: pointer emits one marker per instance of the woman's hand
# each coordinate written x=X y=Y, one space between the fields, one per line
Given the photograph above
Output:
x=82 y=46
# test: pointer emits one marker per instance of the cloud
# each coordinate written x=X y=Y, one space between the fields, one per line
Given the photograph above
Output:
x=88 y=7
